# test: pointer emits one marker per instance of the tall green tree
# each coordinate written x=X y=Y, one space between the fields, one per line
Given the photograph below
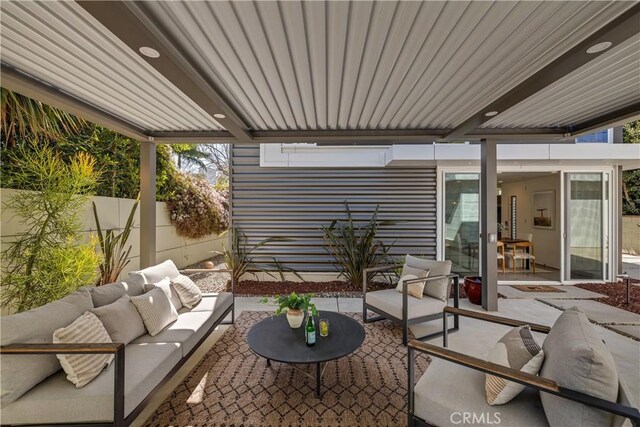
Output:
x=190 y=155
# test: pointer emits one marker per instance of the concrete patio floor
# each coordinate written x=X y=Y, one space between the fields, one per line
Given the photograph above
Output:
x=625 y=350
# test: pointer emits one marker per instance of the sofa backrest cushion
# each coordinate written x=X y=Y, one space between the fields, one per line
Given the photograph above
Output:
x=434 y=288
x=111 y=292
x=155 y=273
x=20 y=373
x=121 y=320
x=577 y=359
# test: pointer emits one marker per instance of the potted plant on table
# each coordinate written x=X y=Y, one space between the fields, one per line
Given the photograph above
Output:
x=295 y=306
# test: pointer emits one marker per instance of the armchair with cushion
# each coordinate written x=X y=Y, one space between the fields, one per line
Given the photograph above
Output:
x=577 y=386
x=399 y=306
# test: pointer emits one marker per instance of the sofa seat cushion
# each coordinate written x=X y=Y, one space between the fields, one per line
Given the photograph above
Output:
x=390 y=301
x=187 y=330
x=19 y=373
x=447 y=392
x=56 y=400
x=212 y=302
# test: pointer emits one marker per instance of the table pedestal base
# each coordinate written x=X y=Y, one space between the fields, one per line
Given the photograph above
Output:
x=318 y=376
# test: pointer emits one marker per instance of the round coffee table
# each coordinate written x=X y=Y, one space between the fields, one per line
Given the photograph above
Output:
x=273 y=339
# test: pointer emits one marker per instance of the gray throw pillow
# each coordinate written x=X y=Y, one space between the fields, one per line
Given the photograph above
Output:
x=20 y=373
x=577 y=359
x=111 y=292
x=121 y=320
x=156 y=310
x=438 y=289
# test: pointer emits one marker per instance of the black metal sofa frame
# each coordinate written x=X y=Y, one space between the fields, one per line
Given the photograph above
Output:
x=404 y=321
x=118 y=350
x=539 y=383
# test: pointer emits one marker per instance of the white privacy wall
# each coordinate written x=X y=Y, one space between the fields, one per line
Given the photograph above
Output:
x=113 y=213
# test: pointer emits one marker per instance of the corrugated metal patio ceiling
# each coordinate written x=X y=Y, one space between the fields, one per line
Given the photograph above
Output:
x=366 y=65
x=330 y=65
x=61 y=44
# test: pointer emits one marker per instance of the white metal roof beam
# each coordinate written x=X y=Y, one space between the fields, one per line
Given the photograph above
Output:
x=21 y=83
x=617 y=31
x=132 y=23
x=613 y=119
x=356 y=137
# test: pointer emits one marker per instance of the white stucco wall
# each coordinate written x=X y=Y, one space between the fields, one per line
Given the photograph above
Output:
x=547 y=242
x=113 y=213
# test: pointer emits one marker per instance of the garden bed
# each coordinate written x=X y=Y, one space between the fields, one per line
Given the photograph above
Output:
x=615 y=294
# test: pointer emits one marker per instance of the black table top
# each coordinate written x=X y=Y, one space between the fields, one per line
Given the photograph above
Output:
x=274 y=339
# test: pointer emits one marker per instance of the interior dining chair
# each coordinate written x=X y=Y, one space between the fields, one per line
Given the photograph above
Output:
x=501 y=254
x=522 y=254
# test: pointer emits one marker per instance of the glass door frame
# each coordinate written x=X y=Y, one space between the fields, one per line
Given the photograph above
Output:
x=609 y=228
x=614 y=210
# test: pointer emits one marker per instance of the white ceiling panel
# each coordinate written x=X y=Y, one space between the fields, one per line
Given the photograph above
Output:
x=373 y=65
x=62 y=45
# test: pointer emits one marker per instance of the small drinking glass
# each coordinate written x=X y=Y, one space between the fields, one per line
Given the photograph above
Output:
x=324 y=327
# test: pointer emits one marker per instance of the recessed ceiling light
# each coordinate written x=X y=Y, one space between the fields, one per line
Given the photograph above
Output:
x=149 y=52
x=219 y=116
x=599 y=47
x=491 y=113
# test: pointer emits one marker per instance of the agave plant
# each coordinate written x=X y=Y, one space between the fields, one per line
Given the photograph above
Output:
x=113 y=247
x=355 y=248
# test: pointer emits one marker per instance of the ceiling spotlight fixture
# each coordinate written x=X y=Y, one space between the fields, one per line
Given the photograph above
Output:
x=599 y=47
x=219 y=116
x=149 y=52
x=491 y=113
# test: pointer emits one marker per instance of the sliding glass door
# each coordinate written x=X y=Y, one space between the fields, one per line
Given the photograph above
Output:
x=461 y=222
x=587 y=226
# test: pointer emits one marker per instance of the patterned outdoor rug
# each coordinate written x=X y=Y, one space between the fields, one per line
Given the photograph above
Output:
x=537 y=288
x=232 y=386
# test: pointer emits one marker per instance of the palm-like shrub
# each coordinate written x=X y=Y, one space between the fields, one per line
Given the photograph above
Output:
x=49 y=258
x=355 y=246
x=115 y=253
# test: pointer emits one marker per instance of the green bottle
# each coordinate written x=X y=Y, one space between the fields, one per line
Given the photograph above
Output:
x=310 y=330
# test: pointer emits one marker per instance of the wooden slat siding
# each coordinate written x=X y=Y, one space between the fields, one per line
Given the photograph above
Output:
x=295 y=202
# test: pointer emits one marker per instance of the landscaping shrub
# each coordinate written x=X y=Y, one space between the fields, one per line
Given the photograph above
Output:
x=49 y=258
x=195 y=208
x=354 y=246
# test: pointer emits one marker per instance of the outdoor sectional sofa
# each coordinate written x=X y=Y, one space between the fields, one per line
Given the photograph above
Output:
x=140 y=368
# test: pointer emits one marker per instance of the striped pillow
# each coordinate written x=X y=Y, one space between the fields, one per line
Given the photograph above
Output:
x=517 y=350
x=82 y=368
x=165 y=285
x=189 y=293
x=155 y=309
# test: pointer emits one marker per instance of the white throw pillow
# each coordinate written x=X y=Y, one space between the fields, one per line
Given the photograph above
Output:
x=414 y=289
x=189 y=293
x=165 y=285
x=517 y=350
x=156 y=310
x=82 y=368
